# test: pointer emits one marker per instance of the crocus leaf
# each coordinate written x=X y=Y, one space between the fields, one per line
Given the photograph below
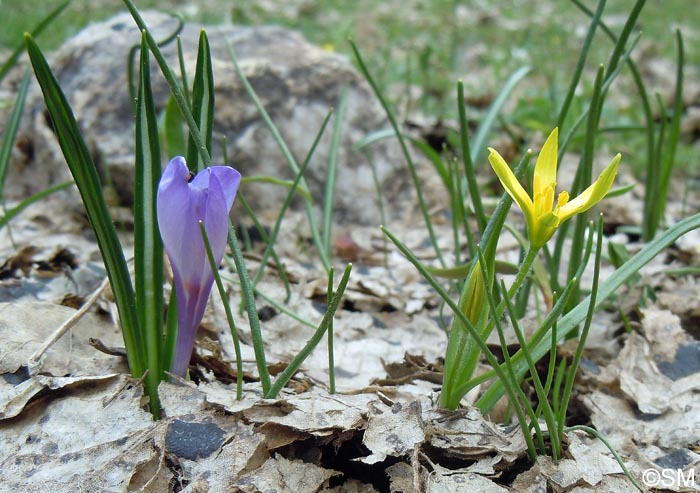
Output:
x=148 y=247
x=202 y=102
x=87 y=180
x=8 y=140
x=573 y=318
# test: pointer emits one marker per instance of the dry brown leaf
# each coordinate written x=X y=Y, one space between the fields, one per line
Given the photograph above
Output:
x=393 y=431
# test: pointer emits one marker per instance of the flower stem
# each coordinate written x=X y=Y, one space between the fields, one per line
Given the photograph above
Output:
x=523 y=271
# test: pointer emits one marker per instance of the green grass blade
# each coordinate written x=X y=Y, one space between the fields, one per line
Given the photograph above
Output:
x=619 y=49
x=227 y=308
x=288 y=200
x=469 y=328
x=404 y=149
x=566 y=395
x=659 y=191
x=430 y=153
x=584 y=177
x=282 y=308
x=249 y=298
x=332 y=172
x=576 y=77
x=376 y=136
x=8 y=139
x=135 y=49
x=549 y=322
x=584 y=116
x=543 y=403
x=87 y=180
x=294 y=365
x=467 y=161
x=459 y=213
x=493 y=310
x=202 y=103
x=573 y=318
x=285 y=152
x=331 y=349
x=16 y=210
x=148 y=246
x=280 y=183
x=175 y=141
x=478 y=145
x=14 y=56
x=183 y=71
x=175 y=88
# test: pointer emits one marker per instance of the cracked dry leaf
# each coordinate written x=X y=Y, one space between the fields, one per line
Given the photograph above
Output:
x=362 y=341
x=212 y=450
x=281 y=474
x=566 y=477
x=392 y=431
x=16 y=392
x=466 y=435
x=623 y=425
x=181 y=398
x=681 y=295
x=461 y=482
x=351 y=486
x=27 y=325
x=664 y=331
x=592 y=458
x=223 y=395
x=315 y=412
x=51 y=446
x=402 y=477
x=660 y=372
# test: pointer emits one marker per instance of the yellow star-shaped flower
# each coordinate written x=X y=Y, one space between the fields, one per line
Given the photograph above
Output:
x=542 y=220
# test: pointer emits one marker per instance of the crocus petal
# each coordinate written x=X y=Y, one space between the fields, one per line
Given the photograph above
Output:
x=181 y=204
x=593 y=194
x=510 y=182
x=229 y=179
x=172 y=201
x=216 y=219
x=546 y=166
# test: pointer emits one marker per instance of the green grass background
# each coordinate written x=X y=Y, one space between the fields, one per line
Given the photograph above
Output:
x=417 y=49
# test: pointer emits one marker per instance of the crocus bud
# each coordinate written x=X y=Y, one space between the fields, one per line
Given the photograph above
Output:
x=183 y=200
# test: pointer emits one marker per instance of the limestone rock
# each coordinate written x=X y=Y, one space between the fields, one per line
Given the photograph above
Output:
x=296 y=81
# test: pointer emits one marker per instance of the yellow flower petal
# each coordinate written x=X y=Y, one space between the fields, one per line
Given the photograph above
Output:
x=542 y=215
x=593 y=194
x=510 y=182
x=546 y=167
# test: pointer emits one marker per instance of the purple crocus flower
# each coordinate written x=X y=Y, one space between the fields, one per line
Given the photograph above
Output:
x=184 y=200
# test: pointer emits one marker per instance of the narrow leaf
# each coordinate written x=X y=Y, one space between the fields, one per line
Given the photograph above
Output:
x=148 y=246
x=174 y=136
x=202 y=103
x=8 y=140
x=87 y=180
x=332 y=172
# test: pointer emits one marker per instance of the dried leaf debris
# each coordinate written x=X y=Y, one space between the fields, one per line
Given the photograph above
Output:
x=380 y=432
x=72 y=420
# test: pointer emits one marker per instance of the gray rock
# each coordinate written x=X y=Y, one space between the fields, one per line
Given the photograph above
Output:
x=296 y=81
